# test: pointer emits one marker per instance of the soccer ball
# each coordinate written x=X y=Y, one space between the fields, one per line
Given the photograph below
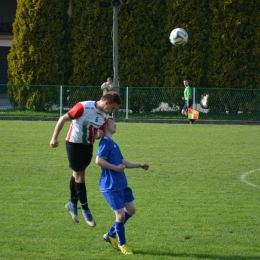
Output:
x=178 y=37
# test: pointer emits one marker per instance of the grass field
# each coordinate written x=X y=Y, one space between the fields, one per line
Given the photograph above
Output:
x=199 y=199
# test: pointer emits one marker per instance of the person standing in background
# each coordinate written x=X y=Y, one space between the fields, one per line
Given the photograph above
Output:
x=188 y=101
x=107 y=86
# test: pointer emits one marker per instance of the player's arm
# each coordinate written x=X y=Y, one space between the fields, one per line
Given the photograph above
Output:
x=127 y=164
x=75 y=112
x=111 y=86
x=104 y=85
x=62 y=120
x=105 y=164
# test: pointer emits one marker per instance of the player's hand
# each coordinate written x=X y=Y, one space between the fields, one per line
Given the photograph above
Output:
x=145 y=166
x=99 y=134
x=120 y=167
x=54 y=143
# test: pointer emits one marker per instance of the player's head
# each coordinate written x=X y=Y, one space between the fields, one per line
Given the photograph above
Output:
x=110 y=126
x=109 y=80
x=109 y=102
x=186 y=82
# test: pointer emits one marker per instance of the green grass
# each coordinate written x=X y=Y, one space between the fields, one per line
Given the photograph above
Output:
x=176 y=115
x=191 y=203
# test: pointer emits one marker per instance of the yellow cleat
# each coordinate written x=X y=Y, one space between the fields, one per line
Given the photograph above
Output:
x=112 y=241
x=125 y=249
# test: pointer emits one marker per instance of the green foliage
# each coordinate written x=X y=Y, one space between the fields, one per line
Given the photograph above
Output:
x=91 y=44
x=192 y=60
x=76 y=94
x=39 y=98
x=234 y=44
x=173 y=96
x=38 y=51
x=143 y=42
x=223 y=50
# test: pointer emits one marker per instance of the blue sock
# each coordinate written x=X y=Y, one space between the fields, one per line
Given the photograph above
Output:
x=127 y=216
x=112 y=231
x=120 y=230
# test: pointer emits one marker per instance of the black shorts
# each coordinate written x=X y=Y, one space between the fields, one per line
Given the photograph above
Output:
x=79 y=155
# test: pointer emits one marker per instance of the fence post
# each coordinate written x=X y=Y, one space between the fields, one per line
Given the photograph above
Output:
x=194 y=105
x=126 y=104
x=259 y=104
x=60 y=100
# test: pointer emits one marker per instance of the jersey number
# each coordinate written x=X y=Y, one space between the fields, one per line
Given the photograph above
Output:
x=96 y=119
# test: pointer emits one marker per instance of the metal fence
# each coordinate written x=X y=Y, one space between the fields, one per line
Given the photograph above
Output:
x=138 y=102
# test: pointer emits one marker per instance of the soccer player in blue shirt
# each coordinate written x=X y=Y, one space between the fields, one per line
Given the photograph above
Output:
x=114 y=187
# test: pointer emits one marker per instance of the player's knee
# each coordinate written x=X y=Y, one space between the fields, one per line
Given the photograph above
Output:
x=120 y=218
x=79 y=176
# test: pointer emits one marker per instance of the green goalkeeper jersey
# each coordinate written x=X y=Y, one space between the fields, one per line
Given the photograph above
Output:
x=187 y=92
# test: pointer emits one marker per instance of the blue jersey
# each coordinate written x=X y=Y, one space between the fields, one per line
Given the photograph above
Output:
x=111 y=180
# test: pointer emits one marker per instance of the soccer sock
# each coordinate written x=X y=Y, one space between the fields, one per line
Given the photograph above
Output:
x=120 y=230
x=82 y=194
x=127 y=216
x=73 y=193
x=112 y=231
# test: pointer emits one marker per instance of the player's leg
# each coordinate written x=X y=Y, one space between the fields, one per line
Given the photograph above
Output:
x=81 y=191
x=114 y=202
x=120 y=226
x=80 y=156
x=184 y=110
x=120 y=231
x=122 y=215
x=71 y=206
x=117 y=201
x=129 y=208
x=192 y=121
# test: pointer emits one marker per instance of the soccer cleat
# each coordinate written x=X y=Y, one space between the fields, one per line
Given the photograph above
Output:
x=72 y=208
x=111 y=240
x=88 y=218
x=125 y=249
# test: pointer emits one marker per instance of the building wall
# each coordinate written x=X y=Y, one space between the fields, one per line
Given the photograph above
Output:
x=7 y=15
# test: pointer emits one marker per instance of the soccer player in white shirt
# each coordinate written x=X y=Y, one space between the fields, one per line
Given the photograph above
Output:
x=87 y=119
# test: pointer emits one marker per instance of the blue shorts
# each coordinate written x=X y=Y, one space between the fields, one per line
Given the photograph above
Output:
x=118 y=199
x=185 y=108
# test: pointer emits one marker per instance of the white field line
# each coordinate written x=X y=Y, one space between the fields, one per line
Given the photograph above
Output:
x=244 y=175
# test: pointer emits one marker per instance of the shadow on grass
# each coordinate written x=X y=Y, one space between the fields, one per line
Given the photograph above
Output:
x=199 y=256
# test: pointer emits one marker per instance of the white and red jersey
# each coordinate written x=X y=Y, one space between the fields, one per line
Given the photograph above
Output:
x=86 y=120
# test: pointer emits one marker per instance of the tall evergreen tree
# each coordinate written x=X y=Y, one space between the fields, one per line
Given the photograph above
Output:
x=234 y=44
x=192 y=60
x=142 y=42
x=38 y=51
x=91 y=45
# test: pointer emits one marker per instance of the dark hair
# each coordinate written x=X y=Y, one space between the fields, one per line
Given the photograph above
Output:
x=112 y=97
x=109 y=78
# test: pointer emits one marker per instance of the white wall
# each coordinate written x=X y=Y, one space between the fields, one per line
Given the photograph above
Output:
x=5 y=42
